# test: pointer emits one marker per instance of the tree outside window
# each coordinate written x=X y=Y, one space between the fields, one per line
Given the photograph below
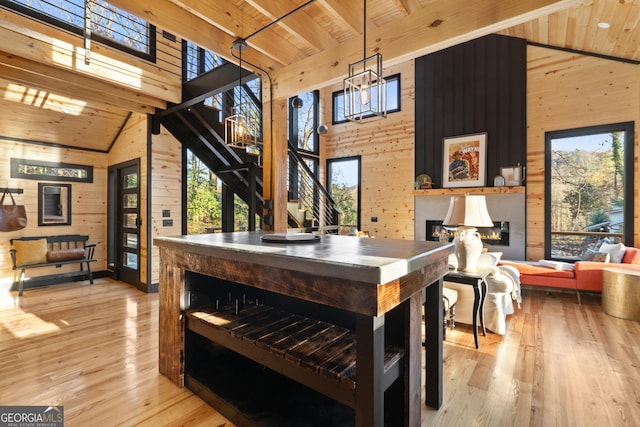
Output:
x=586 y=193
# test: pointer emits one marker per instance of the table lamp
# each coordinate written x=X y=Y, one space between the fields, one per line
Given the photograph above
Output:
x=468 y=212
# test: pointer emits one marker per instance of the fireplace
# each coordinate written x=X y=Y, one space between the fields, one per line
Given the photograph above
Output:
x=503 y=203
x=497 y=235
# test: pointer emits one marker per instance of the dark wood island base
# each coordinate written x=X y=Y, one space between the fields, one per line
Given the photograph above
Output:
x=340 y=318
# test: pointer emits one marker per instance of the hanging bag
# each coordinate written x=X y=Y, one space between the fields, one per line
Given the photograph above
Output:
x=12 y=217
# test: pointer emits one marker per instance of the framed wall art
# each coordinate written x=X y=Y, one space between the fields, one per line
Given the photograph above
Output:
x=465 y=160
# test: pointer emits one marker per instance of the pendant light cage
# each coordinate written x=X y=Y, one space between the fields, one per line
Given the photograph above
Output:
x=240 y=131
x=365 y=90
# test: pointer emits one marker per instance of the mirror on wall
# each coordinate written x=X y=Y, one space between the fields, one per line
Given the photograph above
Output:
x=54 y=204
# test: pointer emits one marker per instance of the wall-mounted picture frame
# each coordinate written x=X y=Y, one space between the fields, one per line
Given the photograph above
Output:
x=464 y=161
x=54 y=204
x=513 y=175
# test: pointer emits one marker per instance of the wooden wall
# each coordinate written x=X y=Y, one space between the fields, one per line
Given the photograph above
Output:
x=565 y=91
x=386 y=147
x=88 y=203
x=166 y=192
x=132 y=144
x=478 y=86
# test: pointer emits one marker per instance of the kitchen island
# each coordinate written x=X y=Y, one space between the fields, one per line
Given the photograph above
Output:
x=341 y=315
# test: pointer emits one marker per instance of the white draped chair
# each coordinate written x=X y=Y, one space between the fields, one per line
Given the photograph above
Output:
x=503 y=288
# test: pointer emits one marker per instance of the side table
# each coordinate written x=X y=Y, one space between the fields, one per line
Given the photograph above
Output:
x=621 y=293
x=477 y=280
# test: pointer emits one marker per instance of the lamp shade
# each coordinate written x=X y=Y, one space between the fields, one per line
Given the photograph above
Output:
x=469 y=211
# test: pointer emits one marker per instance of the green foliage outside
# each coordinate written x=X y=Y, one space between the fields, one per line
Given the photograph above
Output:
x=587 y=195
x=346 y=201
x=204 y=201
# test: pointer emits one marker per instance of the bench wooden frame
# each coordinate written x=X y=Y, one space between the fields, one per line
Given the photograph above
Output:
x=61 y=242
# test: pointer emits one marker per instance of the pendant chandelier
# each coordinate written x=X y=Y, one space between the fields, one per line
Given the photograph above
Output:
x=240 y=130
x=365 y=91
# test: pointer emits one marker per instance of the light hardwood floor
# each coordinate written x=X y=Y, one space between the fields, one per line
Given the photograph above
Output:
x=93 y=349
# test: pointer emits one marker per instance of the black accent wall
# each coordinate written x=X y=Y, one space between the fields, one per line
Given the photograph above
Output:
x=478 y=86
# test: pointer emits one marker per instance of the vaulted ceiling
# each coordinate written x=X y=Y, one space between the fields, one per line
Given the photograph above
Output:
x=313 y=46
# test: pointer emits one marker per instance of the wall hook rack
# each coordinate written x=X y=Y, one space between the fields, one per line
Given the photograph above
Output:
x=11 y=190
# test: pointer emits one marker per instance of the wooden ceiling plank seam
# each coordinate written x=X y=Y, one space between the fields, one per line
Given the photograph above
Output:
x=403 y=6
x=628 y=40
x=166 y=15
x=454 y=22
x=598 y=13
x=347 y=13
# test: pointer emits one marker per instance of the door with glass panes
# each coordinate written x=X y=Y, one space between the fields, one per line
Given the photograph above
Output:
x=128 y=224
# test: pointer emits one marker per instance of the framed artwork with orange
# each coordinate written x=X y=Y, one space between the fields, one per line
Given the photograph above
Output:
x=464 y=162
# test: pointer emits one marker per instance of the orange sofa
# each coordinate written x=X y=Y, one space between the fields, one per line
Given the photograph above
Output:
x=586 y=275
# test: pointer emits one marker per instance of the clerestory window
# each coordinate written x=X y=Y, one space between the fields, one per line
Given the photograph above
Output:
x=108 y=24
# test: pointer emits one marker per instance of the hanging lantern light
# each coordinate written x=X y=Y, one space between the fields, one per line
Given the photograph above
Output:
x=240 y=130
x=365 y=90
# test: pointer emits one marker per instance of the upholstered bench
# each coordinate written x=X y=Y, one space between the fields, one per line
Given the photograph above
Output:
x=42 y=251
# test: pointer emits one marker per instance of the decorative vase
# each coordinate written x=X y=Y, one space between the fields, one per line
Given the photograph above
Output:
x=468 y=248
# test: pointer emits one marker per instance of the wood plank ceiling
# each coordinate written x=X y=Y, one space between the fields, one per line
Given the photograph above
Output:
x=310 y=48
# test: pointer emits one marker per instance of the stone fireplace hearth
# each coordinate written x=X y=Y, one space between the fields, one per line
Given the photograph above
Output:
x=503 y=206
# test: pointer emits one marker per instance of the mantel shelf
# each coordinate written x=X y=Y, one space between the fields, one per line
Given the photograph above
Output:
x=468 y=190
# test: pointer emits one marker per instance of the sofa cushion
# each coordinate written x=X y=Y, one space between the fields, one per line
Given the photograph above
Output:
x=616 y=251
x=558 y=265
x=536 y=269
x=631 y=256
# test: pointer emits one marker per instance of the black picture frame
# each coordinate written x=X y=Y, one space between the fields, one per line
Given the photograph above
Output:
x=54 y=204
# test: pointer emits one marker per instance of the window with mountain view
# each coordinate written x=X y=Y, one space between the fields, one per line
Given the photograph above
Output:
x=588 y=175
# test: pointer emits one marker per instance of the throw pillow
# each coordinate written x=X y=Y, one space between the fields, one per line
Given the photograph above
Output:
x=616 y=251
x=601 y=257
x=595 y=256
x=30 y=251
x=65 y=255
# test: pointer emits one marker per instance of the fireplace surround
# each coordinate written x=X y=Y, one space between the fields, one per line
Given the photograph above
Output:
x=504 y=203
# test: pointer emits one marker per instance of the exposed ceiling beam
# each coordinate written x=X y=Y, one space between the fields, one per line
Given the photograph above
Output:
x=72 y=85
x=349 y=13
x=226 y=16
x=178 y=21
x=302 y=26
x=437 y=26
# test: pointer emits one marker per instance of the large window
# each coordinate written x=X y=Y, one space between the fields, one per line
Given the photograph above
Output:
x=204 y=201
x=343 y=182
x=108 y=24
x=589 y=189
x=393 y=100
x=303 y=124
